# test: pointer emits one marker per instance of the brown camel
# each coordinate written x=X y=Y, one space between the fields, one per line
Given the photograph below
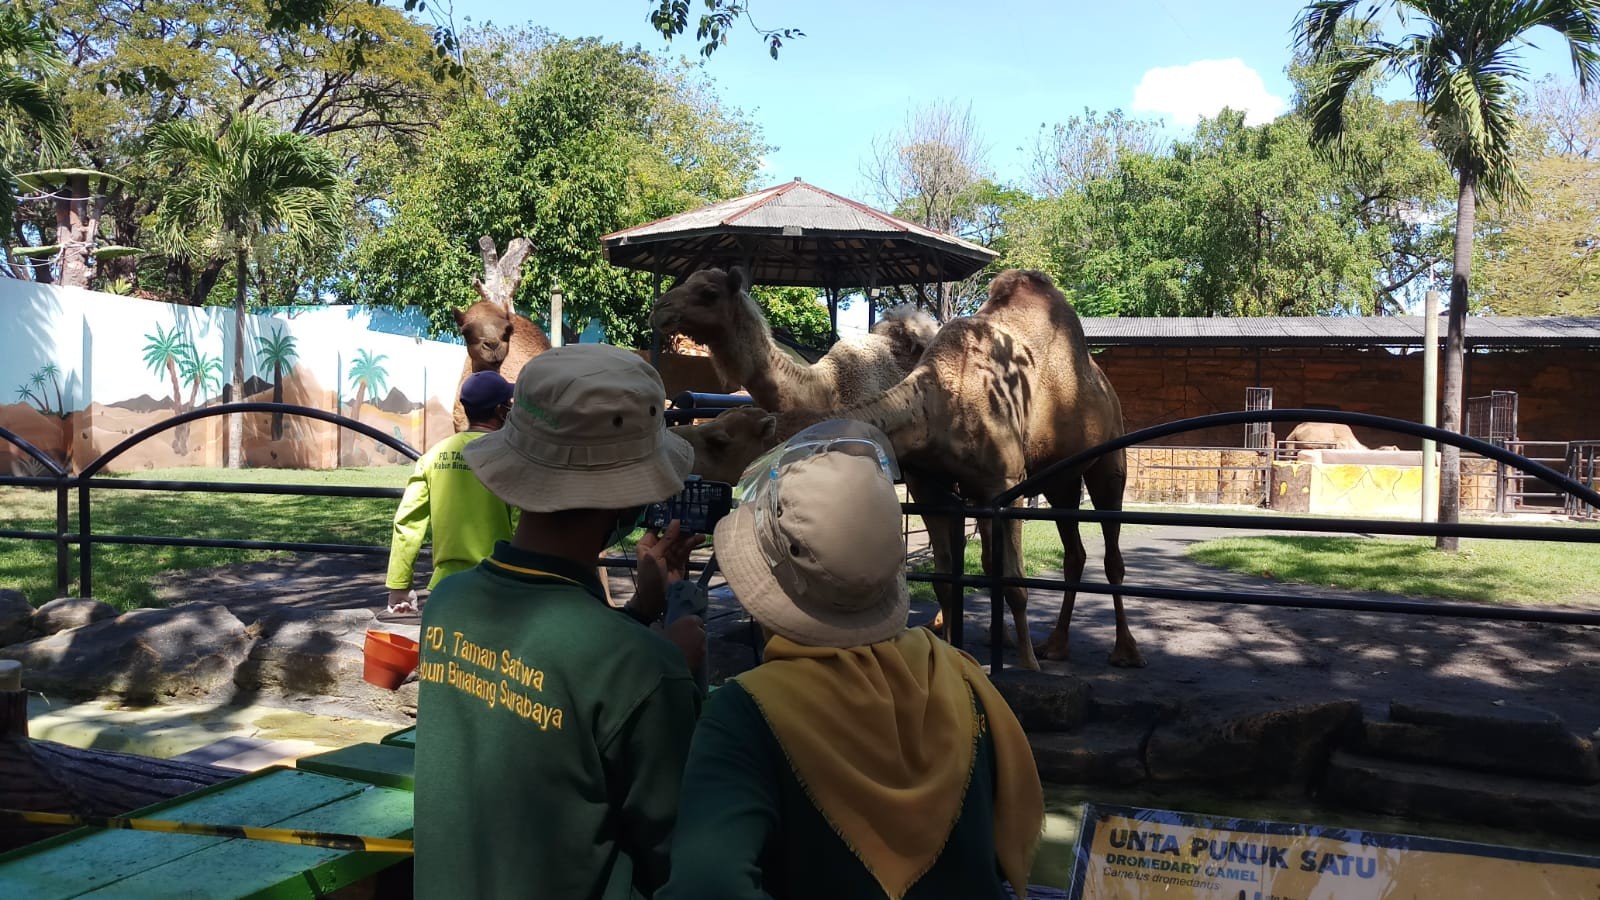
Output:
x=712 y=308
x=498 y=339
x=724 y=446
x=1338 y=437
x=998 y=395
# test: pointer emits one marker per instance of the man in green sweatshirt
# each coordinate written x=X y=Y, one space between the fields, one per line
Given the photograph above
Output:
x=443 y=495
x=552 y=728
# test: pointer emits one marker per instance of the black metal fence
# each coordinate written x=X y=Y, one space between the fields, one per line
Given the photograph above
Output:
x=1582 y=501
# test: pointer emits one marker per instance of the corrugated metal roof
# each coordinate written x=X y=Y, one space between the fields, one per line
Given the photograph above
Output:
x=1346 y=331
x=799 y=234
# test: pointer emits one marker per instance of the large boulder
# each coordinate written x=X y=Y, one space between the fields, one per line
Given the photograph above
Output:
x=1249 y=740
x=303 y=654
x=1512 y=741
x=1042 y=701
x=183 y=651
x=63 y=613
x=16 y=617
x=1101 y=753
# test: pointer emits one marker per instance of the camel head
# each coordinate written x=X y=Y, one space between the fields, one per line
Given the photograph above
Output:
x=704 y=306
x=486 y=327
x=724 y=446
x=910 y=331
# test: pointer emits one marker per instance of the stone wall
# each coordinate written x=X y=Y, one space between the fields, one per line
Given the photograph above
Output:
x=1557 y=389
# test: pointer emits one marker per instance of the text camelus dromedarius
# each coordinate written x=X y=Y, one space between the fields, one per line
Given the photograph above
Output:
x=1002 y=393
x=712 y=307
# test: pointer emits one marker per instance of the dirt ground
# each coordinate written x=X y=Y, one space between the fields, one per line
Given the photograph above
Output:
x=1193 y=650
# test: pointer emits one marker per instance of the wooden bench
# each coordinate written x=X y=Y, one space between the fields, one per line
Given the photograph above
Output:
x=95 y=863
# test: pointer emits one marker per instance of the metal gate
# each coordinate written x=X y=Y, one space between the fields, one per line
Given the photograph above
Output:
x=1257 y=435
x=1583 y=466
x=1493 y=418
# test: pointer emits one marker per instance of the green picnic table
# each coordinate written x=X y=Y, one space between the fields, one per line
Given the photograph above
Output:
x=111 y=863
x=387 y=765
x=405 y=737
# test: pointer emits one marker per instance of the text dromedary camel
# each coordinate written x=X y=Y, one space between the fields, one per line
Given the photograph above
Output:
x=1002 y=393
x=712 y=307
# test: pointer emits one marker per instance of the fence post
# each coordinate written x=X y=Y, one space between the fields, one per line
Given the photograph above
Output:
x=958 y=566
x=63 y=576
x=997 y=591
x=85 y=543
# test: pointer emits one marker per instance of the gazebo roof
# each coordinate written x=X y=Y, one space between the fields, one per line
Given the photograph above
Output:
x=797 y=234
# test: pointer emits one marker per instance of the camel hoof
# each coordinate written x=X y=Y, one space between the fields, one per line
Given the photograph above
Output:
x=1052 y=651
x=1131 y=659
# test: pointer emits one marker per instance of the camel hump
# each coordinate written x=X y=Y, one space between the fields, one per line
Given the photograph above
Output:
x=1031 y=293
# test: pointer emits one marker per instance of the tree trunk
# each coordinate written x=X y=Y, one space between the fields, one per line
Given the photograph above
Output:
x=277 y=397
x=235 y=421
x=72 y=231
x=1455 y=357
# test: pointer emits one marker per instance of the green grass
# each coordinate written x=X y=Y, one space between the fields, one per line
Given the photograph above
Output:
x=1041 y=552
x=1485 y=570
x=127 y=576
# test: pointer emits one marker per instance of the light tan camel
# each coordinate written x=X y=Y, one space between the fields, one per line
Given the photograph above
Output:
x=724 y=446
x=1002 y=393
x=1339 y=437
x=712 y=308
x=498 y=339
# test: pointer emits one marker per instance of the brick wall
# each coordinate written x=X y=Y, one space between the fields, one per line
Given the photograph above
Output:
x=1558 y=390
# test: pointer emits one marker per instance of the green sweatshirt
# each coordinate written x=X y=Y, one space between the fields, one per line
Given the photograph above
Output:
x=551 y=737
x=747 y=830
x=465 y=518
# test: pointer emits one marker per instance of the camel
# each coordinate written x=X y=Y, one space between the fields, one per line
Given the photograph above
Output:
x=998 y=395
x=724 y=446
x=498 y=339
x=711 y=307
x=1339 y=437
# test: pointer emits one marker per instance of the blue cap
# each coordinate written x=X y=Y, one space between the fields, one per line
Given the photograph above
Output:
x=483 y=391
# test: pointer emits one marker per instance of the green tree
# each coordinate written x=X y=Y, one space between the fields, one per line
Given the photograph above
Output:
x=367 y=376
x=600 y=139
x=797 y=311
x=162 y=354
x=1462 y=63
x=28 y=56
x=278 y=352
x=248 y=182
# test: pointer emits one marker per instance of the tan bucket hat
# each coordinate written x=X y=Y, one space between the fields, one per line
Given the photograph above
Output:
x=586 y=431
x=814 y=552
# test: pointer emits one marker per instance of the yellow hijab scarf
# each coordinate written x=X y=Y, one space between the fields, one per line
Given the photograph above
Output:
x=883 y=737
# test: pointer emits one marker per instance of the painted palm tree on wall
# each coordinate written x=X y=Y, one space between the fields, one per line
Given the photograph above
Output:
x=162 y=354
x=240 y=184
x=367 y=376
x=199 y=371
x=278 y=352
x=53 y=372
x=1461 y=58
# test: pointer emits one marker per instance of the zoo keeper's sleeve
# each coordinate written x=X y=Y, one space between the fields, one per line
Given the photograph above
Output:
x=410 y=526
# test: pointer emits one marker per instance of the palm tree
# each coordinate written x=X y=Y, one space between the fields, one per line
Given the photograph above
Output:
x=51 y=371
x=28 y=55
x=164 y=351
x=368 y=375
x=247 y=182
x=276 y=351
x=1461 y=58
x=25 y=395
x=199 y=370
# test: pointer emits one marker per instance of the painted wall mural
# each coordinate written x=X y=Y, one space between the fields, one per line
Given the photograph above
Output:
x=87 y=369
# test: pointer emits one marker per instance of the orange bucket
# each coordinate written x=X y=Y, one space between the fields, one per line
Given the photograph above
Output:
x=388 y=658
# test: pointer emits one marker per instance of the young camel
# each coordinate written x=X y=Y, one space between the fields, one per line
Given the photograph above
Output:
x=724 y=446
x=711 y=307
x=998 y=395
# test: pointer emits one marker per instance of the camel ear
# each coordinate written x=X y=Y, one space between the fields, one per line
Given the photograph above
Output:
x=506 y=335
x=738 y=279
x=769 y=427
x=461 y=317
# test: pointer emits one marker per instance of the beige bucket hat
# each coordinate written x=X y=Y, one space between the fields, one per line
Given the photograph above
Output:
x=814 y=551
x=586 y=431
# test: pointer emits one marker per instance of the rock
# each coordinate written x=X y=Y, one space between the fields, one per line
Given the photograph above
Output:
x=16 y=617
x=1122 y=704
x=316 y=653
x=70 y=612
x=1428 y=792
x=1044 y=702
x=1536 y=751
x=1250 y=739
x=1093 y=754
x=189 y=650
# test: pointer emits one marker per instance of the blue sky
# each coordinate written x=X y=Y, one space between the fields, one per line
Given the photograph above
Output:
x=864 y=65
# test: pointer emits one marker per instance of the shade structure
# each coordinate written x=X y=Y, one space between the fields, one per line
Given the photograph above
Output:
x=797 y=234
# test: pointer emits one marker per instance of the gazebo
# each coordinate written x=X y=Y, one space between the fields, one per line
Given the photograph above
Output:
x=798 y=234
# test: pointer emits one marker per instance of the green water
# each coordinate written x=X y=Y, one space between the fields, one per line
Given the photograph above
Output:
x=1063 y=806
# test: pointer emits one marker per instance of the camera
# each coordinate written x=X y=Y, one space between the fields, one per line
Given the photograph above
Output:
x=698 y=507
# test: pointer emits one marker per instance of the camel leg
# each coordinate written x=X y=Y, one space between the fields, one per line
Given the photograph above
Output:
x=944 y=554
x=1016 y=597
x=1105 y=481
x=1073 y=557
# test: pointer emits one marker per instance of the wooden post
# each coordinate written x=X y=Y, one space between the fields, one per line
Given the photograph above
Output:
x=1430 y=403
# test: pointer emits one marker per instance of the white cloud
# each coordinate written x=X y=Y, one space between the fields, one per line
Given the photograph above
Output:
x=1183 y=94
